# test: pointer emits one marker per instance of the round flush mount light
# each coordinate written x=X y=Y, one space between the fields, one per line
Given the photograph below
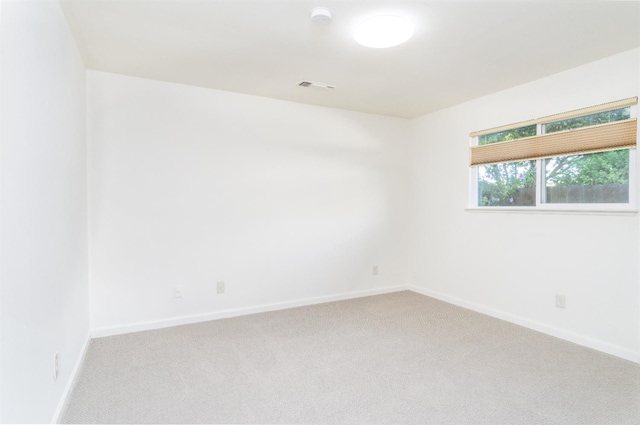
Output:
x=384 y=31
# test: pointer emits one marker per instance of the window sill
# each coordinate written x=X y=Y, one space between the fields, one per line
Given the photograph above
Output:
x=550 y=210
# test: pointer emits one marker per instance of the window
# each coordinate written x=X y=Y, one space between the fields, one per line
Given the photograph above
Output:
x=571 y=160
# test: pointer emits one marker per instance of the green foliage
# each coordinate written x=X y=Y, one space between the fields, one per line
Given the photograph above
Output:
x=510 y=183
x=505 y=136
x=610 y=167
x=588 y=120
x=514 y=183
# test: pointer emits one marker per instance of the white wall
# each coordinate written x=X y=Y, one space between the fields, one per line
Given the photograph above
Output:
x=282 y=201
x=44 y=304
x=512 y=264
x=1 y=374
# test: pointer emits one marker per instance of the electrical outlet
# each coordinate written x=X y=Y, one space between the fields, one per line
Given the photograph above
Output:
x=55 y=366
x=414 y=275
x=561 y=301
x=375 y=270
x=177 y=291
x=220 y=287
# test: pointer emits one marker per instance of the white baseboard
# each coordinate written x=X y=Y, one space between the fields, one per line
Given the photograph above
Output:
x=527 y=323
x=71 y=382
x=536 y=326
x=224 y=314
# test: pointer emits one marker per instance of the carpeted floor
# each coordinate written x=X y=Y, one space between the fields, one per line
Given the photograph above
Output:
x=400 y=358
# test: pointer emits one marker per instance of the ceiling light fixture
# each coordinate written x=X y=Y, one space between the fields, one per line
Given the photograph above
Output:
x=384 y=31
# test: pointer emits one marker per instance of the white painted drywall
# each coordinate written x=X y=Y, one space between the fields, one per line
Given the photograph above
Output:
x=512 y=264
x=638 y=198
x=44 y=278
x=1 y=375
x=282 y=201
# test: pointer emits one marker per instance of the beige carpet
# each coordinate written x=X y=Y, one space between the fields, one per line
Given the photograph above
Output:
x=400 y=358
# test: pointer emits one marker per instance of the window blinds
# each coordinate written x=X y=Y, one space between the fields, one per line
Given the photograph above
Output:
x=597 y=138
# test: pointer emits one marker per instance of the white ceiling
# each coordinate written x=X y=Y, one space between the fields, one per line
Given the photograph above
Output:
x=460 y=50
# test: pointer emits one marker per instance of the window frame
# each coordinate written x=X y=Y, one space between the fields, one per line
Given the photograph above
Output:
x=541 y=206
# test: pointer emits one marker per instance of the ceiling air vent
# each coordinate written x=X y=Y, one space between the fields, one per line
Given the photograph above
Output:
x=314 y=85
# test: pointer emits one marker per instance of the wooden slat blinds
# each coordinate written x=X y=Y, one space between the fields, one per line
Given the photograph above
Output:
x=597 y=138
